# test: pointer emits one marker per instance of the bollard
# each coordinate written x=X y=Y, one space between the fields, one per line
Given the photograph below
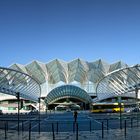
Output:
x=7 y=125
x=29 y=130
x=107 y=124
x=57 y=128
x=76 y=131
x=22 y=126
x=39 y=126
x=90 y=125
x=102 y=129
x=5 y=131
x=137 y=121
x=53 y=131
x=73 y=127
x=131 y=122
x=120 y=123
x=125 y=128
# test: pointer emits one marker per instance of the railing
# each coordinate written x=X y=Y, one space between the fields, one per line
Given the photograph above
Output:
x=31 y=124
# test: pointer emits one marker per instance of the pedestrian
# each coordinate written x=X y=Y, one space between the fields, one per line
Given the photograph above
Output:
x=75 y=116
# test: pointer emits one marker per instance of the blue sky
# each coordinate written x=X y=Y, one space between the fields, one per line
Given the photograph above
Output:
x=68 y=29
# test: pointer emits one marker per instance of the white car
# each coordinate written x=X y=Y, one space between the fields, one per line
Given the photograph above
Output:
x=68 y=110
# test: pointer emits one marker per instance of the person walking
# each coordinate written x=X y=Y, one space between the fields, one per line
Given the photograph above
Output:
x=75 y=116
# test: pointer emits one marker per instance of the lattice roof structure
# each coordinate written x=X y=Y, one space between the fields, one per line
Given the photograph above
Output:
x=68 y=91
x=104 y=78
x=15 y=81
x=119 y=82
x=67 y=72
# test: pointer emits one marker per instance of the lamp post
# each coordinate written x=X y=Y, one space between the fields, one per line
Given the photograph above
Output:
x=137 y=106
x=39 y=114
x=18 y=99
x=136 y=92
x=119 y=102
x=46 y=106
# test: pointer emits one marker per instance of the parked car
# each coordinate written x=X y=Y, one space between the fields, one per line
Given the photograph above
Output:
x=68 y=110
x=34 y=112
x=134 y=110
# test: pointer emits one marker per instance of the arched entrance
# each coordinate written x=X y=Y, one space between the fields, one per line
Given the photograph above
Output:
x=67 y=95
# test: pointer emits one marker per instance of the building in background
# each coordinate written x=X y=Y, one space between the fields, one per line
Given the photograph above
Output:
x=75 y=81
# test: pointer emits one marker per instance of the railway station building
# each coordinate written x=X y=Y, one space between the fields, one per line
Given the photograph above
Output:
x=77 y=82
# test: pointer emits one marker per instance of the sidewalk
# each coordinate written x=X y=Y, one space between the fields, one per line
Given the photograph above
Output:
x=114 y=134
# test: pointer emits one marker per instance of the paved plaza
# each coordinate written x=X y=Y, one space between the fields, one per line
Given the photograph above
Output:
x=131 y=134
x=89 y=127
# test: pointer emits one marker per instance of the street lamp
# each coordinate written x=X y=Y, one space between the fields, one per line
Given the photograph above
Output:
x=39 y=114
x=137 y=106
x=18 y=99
x=119 y=102
x=46 y=106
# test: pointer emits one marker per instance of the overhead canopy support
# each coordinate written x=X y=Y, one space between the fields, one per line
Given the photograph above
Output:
x=119 y=82
x=68 y=91
x=13 y=82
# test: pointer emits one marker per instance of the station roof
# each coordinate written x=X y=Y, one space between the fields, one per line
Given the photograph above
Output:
x=14 y=81
x=67 y=91
x=119 y=82
x=76 y=70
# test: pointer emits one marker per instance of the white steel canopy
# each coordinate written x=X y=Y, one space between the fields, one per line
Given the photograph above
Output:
x=14 y=81
x=119 y=82
x=76 y=70
x=68 y=91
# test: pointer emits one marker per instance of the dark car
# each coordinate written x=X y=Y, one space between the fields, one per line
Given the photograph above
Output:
x=34 y=112
x=133 y=110
x=136 y=110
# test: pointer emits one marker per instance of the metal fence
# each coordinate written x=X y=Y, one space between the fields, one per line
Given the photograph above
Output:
x=32 y=125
